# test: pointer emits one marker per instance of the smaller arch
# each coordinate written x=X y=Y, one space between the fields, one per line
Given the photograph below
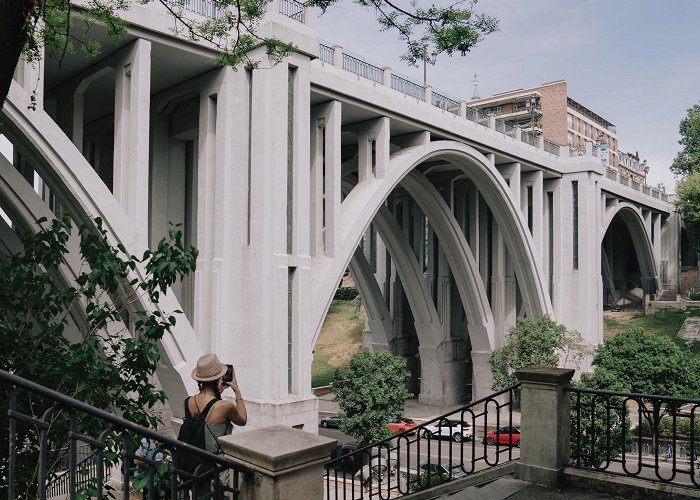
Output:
x=641 y=240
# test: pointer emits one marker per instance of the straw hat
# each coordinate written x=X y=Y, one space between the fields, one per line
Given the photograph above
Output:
x=209 y=368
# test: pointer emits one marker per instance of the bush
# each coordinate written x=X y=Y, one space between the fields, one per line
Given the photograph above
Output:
x=345 y=293
x=694 y=296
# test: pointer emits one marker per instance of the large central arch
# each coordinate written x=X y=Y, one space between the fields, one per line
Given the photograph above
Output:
x=362 y=204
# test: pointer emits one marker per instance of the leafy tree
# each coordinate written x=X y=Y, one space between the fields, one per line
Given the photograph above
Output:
x=27 y=25
x=110 y=361
x=688 y=159
x=534 y=343
x=688 y=197
x=638 y=362
x=370 y=391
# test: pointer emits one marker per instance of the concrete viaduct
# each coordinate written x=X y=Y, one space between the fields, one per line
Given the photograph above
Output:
x=452 y=223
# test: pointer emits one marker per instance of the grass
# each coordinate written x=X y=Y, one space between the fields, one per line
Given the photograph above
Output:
x=340 y=338
x=666 y=323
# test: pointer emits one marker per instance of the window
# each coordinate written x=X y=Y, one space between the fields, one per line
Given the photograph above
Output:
x=569 y=120
x=570 y=138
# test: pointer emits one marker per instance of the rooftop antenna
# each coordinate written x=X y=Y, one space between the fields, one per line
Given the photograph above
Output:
x=475 y=81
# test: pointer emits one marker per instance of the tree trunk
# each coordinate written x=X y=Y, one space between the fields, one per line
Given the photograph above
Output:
x=14 y=30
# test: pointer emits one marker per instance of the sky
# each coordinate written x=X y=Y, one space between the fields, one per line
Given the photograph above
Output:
x=634 y=62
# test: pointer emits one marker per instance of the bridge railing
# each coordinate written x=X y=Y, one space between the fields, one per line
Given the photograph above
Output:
x=205 y=8
x=407 y=87
x=56 y=444
x=444 y=102
x=326 y=53
x=292 y=9
x=362 y=68
x=430 y=453
x=656 y=438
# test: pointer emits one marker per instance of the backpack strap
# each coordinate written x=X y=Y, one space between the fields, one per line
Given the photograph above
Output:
x=187 y=407
x=208 y=407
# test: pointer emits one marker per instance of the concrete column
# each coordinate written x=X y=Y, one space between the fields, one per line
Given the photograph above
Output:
x=656 y=244
x=442 y=376
x=428 y=94
x=131 y=137
x=373 y=134
x=535 y=180
x=287 y=464
x=325 y=177
x=511 y=172
x=463 y=109
x=386 y=76
x=338 y=56
x=544 y=421
x=482 y=378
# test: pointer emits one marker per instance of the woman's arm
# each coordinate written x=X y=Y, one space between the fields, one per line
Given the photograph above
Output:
x=237 y=413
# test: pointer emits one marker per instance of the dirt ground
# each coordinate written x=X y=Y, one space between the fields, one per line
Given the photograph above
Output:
x=620 y=317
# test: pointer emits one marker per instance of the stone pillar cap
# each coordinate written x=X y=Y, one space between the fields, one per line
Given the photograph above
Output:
x=277 y=449
x=546 y=375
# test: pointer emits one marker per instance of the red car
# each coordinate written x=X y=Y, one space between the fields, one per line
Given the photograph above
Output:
x=401 y=424
x=505 y=435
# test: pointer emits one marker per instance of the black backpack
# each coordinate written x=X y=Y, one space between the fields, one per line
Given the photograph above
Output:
x=192 y=432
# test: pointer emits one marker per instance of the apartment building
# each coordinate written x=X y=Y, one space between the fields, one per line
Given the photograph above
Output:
x=548 y=110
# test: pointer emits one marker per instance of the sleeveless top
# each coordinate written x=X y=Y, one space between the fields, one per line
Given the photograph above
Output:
x=214 y=432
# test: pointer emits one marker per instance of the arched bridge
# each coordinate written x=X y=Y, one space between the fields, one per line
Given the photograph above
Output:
x=452 y=223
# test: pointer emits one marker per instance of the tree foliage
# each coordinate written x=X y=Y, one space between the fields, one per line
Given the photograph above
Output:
x=639 y=362
x=688 y=159
x=232 y=28
x=688 y=196
x=90 y=339
x=531 y=342
x=370 y=391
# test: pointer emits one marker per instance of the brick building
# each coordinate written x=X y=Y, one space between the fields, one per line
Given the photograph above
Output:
x=549 y=111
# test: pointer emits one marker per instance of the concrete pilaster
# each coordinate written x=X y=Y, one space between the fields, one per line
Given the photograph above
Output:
x=287 y=464
x=443 y=377
x=544 y=424
x=131 y=137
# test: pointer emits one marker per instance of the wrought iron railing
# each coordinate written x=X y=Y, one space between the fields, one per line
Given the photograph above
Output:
x=550 y=147
x=611 y=174
x=326 y=53
x=624 y=180
x=655 y=193
x=206 y=8
x=363 y=68
x=43 y=429
x=407 y=87
x=444 y=102
x=292 y=9
x=635 y=185
x=655 y=438
x=475 y=439
x=594 y=150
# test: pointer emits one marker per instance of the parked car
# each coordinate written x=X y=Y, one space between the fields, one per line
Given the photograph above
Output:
x=505 y=435
x=332 y=421
x=348 y=460
x=401 y=424
x=444 y=470
x=455 y=430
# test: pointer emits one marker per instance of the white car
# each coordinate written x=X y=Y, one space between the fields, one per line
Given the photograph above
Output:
x=448 y=429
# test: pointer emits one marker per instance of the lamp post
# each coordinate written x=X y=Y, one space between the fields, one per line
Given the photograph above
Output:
x=427 y=59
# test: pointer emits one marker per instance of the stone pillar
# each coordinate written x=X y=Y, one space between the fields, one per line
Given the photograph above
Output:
x=544 y=423
x=287 y=463
x=131 y=137
x=656 y=243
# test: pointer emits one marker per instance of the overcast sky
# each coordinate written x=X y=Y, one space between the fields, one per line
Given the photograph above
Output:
x=634 y=62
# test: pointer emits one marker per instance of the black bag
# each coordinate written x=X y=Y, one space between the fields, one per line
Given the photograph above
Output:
x=192 y=432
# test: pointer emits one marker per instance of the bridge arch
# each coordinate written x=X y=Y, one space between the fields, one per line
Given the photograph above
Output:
x=83 y=192
x=631 y=216
x=361 y=205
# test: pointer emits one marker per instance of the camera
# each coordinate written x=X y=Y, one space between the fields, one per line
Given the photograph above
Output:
x=228 y=377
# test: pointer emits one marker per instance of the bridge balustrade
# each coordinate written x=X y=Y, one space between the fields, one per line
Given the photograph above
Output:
x=444 y=102
x=292 y=9
x=655 y=438
x=326 y=53
x=611 y=174
x=529 y=138
x=205 y=8
x=550 y=147
x=362 y=68
x=428 y=453
x=635 y=185
x=407 y=87
x=61 y=446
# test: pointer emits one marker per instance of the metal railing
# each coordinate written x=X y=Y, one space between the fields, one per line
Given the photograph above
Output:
x=646 y=189
x=326 y=53
x=444 y=102
x=611 y=174
x=635 y=185
x=624 y=180
x=655 y=193
x=292 y=9
x=655 y=438
x=363 y=68
x=529 y=138
x=594 y=150
x=45 y=429
x=206 y=8
x=407 y=87
x=418 y=458
x=550 y=147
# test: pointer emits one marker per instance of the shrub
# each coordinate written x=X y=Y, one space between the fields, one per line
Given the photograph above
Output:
x=345 y=293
